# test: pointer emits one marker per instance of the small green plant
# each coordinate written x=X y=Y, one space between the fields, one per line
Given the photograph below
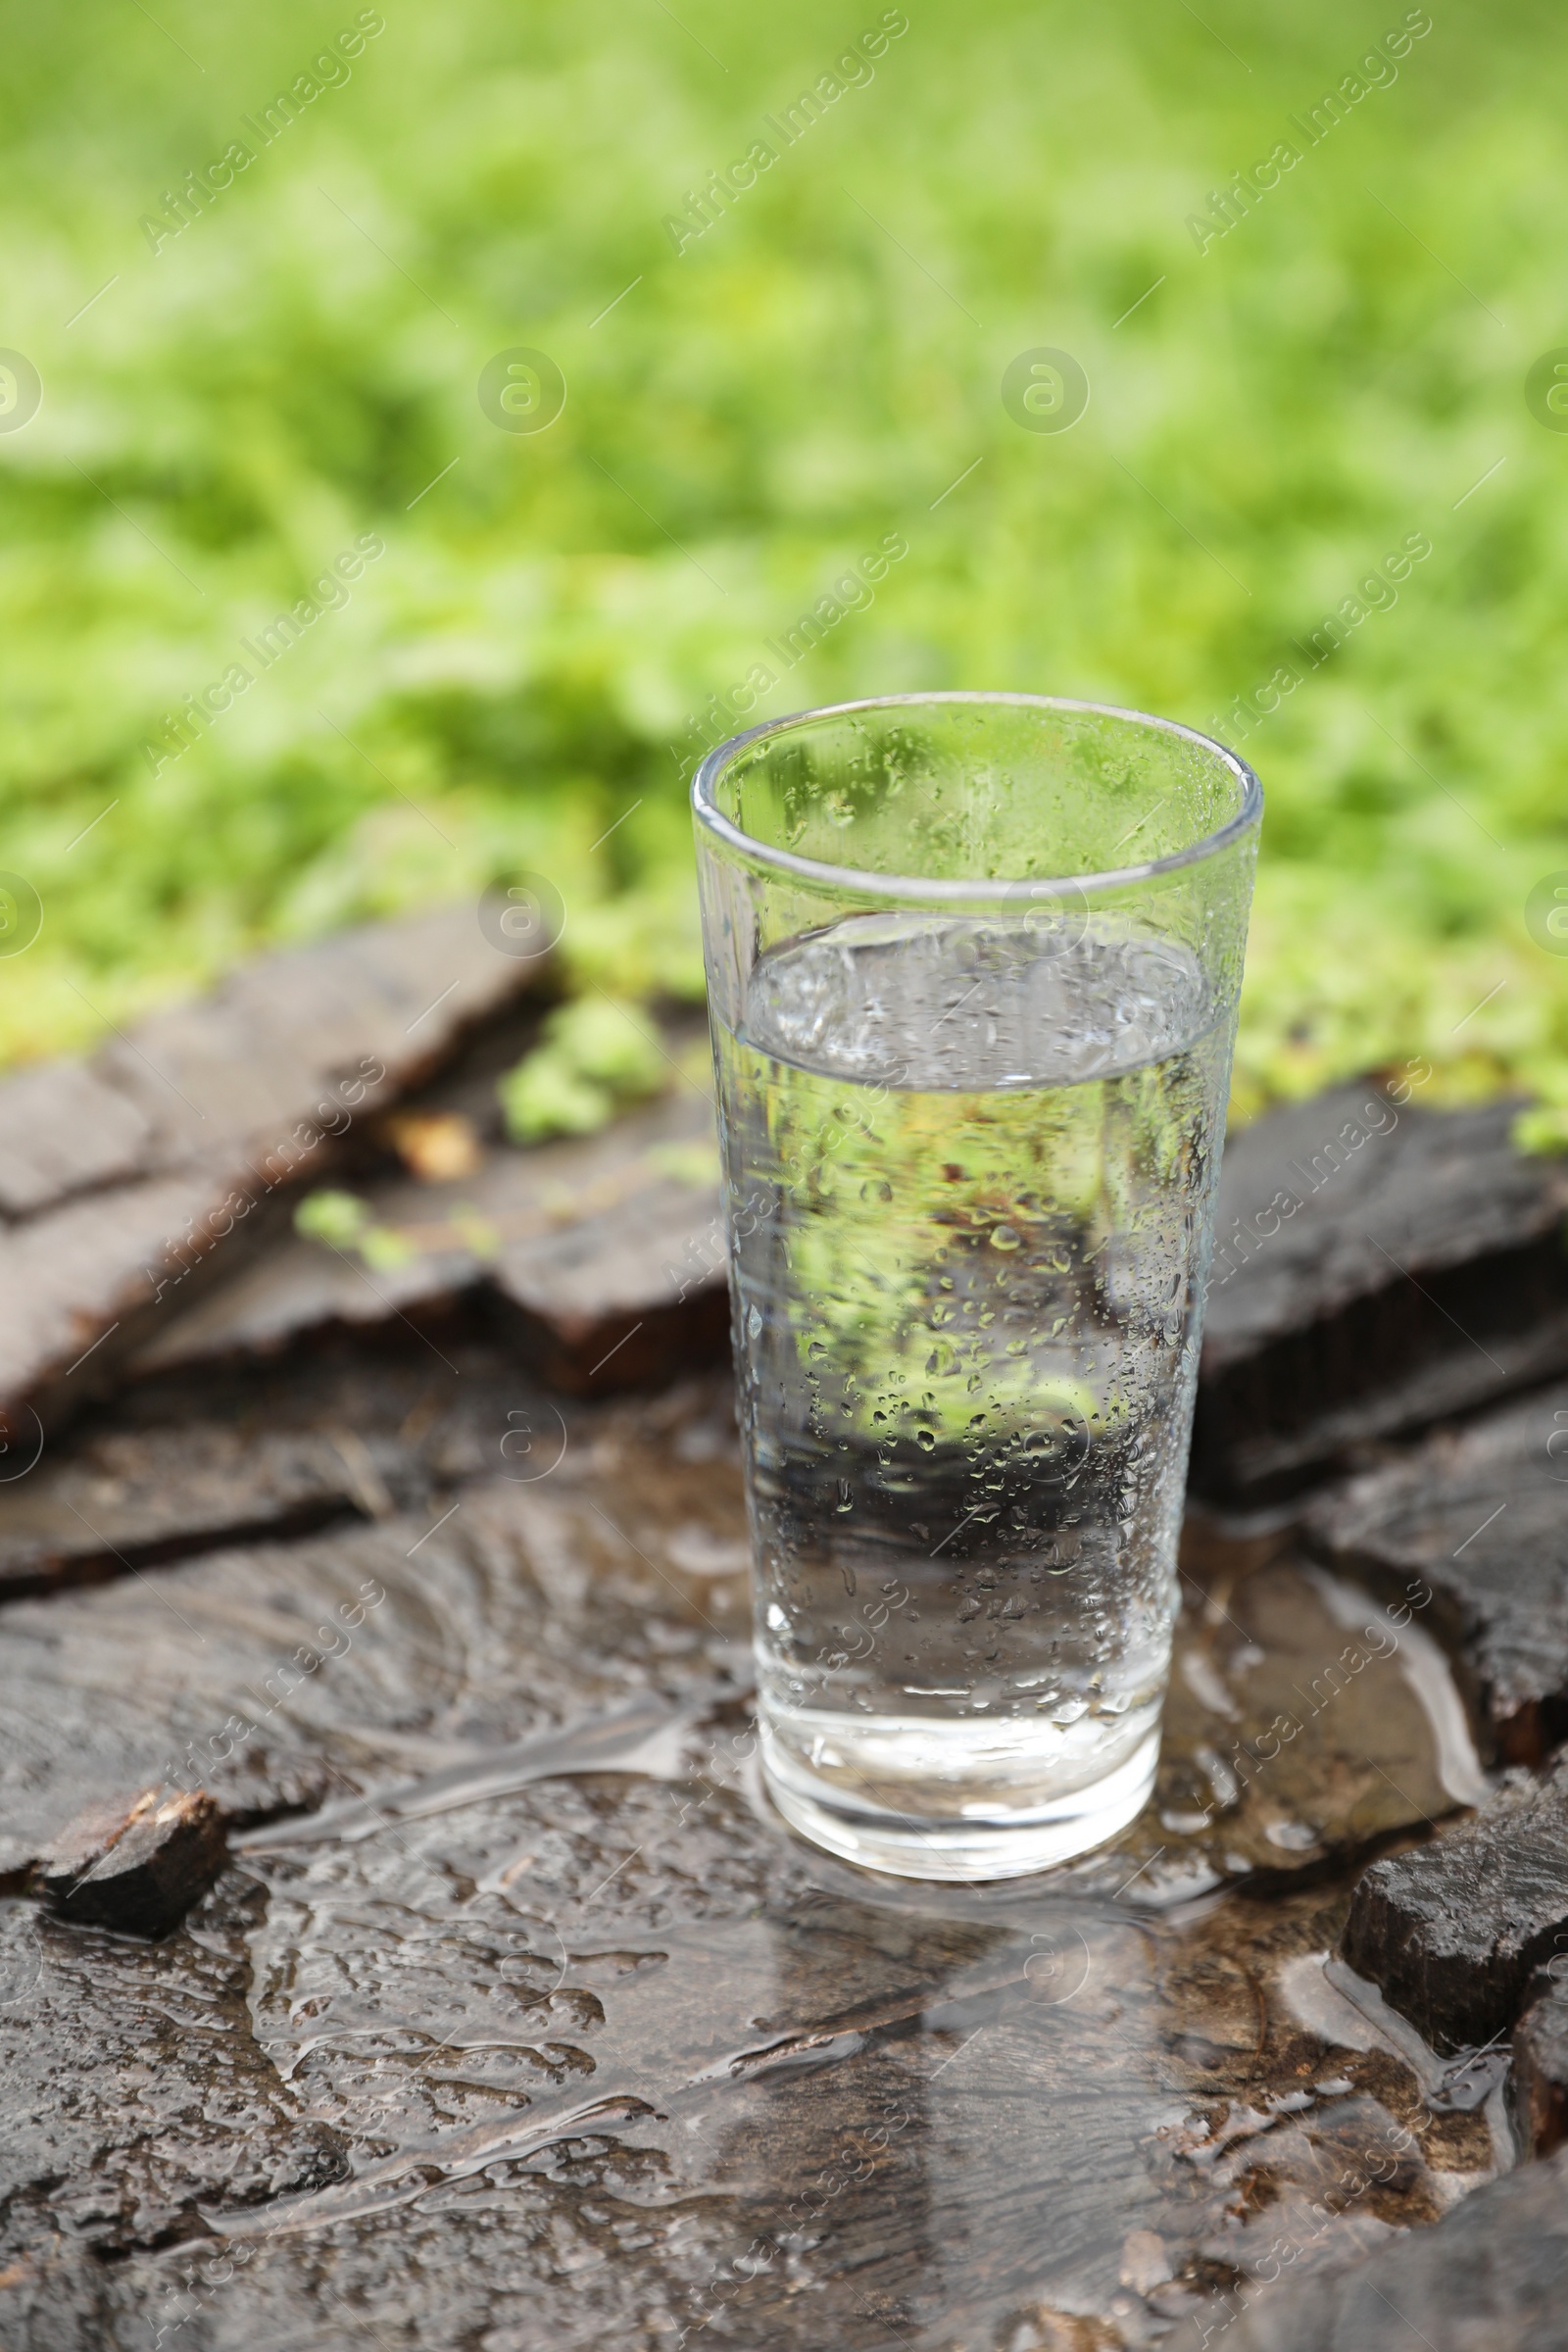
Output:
x=597 y=1054
x=342 y=1222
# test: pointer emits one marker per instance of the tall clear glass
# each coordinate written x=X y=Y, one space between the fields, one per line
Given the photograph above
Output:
x=972 y=1072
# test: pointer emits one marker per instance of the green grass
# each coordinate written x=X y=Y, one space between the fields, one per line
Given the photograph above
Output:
x=293 y=371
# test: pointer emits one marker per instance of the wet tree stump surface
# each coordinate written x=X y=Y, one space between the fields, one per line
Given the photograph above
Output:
x=515 y=2017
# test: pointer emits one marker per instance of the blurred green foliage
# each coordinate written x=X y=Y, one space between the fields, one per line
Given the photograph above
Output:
x=594 y=1055
x=343 y=1222
x=297 y=367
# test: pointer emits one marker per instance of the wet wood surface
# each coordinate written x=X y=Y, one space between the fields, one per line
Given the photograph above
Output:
x=518 y=2019
x=1478 y=1513
x=1376 y=1265
x=1453 y=1934
x=515 y=2018
x=1490 y=2280
x=601 y=1258
x=1539 y=2085
x=138 y=1867
x=126 y=1184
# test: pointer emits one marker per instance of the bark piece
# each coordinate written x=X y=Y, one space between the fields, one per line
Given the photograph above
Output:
x=1375 y=1266
x=298 y=1289
x=131 y=1497
x=142 y=1873
x=603 y=1258
x=625 y=1297
x=260 y=1783
x=1480 y=1515
x=243 y=1066
x=65 y=1131
x=126 y=1183
x=1539 y=2085
x=84 y=1281
x=1489 y=2277
x=1452 y=1931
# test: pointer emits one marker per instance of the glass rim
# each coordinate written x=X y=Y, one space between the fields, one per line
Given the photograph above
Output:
x=712 y=817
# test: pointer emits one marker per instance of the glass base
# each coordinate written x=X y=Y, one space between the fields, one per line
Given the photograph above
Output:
x=1006 y=1845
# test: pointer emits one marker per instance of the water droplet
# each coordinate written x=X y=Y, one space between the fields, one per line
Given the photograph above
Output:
x=1296 y=1836
x=1006 y=1237
x=754 y=1324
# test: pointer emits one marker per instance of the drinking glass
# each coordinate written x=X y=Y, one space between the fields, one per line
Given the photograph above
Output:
x=973 y=962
